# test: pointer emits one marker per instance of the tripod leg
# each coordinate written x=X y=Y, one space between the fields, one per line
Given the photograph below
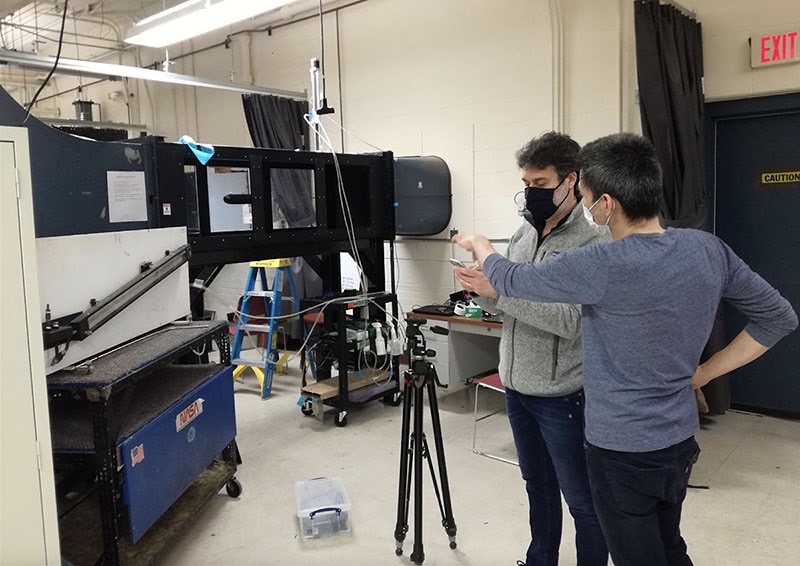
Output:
x=426 y=454
x=418 y=555
x=406 y=454
x=448 y=522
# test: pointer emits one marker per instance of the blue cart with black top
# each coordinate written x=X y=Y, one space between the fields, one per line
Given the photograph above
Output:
x=157 y=433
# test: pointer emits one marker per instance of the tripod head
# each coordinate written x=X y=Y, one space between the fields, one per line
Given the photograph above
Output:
x=415 y=339
x=418 y=352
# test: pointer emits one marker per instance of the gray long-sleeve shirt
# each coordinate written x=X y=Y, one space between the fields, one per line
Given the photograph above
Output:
x=540 y=347
x=649 y=302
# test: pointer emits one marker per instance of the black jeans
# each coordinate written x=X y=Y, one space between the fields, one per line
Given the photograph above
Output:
x=638 y=498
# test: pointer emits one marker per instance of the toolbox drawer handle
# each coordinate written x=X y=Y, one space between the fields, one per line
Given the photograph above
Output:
x=337 y=510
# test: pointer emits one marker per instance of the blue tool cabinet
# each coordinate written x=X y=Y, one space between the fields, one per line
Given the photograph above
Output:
x=154 y=423
x=161 y=459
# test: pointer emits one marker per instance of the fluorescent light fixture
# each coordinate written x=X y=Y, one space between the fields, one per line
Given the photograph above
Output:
x=110 y=71
x=196 y=17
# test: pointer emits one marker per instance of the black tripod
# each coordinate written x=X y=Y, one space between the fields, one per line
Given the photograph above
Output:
x=420 y=376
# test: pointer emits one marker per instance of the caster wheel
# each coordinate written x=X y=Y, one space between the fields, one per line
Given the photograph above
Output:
x=393 y=400
x=341 y=419
x=398 y=551
x=306 y=408
x=453 y=545
x=233 y=487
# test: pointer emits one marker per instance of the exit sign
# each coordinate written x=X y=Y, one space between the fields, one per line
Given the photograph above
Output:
x=774 y=49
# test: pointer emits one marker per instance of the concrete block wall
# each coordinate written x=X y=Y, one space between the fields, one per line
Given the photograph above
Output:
x=467 y=80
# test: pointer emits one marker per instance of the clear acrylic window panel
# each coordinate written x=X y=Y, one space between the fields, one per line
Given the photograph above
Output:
x=226 y=217
x=293 y=198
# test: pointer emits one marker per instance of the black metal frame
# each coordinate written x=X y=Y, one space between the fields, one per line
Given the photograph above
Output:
x=368 y=182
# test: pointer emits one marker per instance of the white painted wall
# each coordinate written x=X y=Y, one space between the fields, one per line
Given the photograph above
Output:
x=470 y=81
x=727 y=25
x=467 y=80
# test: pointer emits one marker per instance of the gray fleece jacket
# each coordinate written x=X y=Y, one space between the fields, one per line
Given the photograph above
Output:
x=540 y=347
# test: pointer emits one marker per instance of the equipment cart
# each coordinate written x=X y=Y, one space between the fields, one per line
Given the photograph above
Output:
x=155 y=433
x=356 y=382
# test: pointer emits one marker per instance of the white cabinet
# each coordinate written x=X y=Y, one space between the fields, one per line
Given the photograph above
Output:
x=28 y=521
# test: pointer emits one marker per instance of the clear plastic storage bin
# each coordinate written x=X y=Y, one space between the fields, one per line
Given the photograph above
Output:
x=323 y=507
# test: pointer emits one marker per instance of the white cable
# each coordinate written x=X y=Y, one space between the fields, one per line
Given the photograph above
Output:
x=323 y=134
x=303 y=345
x=365 y=142
x=400 y=324
x=285 y=316
x=346 y=208
x=345 y=205
x=201 y=352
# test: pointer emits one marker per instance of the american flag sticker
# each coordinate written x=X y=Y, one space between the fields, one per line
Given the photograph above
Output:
x=137 y=455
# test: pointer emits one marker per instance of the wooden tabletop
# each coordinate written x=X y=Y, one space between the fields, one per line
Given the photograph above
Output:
x=457 y=319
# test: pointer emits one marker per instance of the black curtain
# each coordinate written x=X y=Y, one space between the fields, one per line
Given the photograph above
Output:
x=277 y=123
x=669 y=63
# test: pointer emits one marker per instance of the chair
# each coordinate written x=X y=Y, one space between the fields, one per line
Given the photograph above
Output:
x=491 y=382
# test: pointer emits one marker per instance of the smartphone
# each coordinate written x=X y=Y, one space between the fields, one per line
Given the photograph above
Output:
x=457 y=262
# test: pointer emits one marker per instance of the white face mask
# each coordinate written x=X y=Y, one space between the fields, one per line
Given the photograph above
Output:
x=587 y=213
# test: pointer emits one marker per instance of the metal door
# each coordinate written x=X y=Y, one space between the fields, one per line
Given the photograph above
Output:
x=28 y=521
x=757 y=204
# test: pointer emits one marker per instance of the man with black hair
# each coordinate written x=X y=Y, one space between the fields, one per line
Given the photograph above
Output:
x=648 y=303
x=540 y=358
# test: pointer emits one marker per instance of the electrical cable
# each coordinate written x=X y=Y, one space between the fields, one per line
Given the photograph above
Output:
x=345 y=207
x=397 y=257
x=323 y=305
x=346 y=215
x=293 y=355
x=362 y=140
x=55 y=65
x=320 y=308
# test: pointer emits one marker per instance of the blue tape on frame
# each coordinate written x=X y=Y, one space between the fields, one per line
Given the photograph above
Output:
x=203 y=152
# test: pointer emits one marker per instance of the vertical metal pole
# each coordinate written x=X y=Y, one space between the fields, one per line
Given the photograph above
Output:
x=316 y=96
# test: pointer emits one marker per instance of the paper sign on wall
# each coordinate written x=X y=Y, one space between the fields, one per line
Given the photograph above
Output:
x=351 y=273
x=127 y=196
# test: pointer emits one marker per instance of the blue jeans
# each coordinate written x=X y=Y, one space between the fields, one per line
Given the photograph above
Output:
x=638 y=497
x=548 y=433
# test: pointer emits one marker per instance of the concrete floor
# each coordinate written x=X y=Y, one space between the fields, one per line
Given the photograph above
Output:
x=748 y=516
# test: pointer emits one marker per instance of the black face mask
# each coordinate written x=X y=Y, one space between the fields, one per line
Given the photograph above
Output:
x=539 y=203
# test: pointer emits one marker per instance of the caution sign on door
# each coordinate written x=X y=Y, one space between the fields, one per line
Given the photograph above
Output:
x=780 y=179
